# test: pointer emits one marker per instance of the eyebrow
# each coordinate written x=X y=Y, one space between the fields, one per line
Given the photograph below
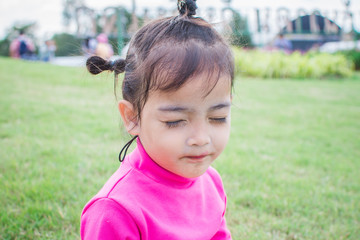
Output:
x=185 y=109
x=219 y=106
x=174 y=109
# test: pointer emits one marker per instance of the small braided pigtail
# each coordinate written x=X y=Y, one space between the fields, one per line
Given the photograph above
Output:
x=187 y=7
x=96 y=65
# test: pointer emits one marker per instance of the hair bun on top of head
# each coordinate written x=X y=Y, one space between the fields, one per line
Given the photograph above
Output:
x=187 y=7
x=96 y=65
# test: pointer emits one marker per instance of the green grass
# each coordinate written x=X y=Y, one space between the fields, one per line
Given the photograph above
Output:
x=291 y=168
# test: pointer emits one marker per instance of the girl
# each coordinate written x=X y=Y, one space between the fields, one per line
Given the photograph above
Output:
x=176 y=103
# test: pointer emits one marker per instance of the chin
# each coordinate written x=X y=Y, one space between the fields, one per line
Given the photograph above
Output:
x=193 y=174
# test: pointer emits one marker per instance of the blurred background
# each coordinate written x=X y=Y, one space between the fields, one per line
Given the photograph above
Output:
x=72 y=27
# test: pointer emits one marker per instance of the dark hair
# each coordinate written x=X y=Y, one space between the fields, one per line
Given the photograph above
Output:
x=166 y=53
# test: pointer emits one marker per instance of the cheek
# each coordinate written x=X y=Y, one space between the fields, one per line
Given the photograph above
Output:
x=159 y=140
x=164 y=151
x=221 y=137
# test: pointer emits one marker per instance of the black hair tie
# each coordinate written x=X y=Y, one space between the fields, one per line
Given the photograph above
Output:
x=112 y=65
x=125 y=148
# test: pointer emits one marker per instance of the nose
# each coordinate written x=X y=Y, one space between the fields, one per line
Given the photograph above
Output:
x=199 y=136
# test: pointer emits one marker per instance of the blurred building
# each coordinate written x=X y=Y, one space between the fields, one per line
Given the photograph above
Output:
x=311 y=31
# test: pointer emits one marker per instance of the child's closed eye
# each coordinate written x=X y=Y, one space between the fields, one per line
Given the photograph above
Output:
x=218 y=120
x=173 y=124
x=179 y=123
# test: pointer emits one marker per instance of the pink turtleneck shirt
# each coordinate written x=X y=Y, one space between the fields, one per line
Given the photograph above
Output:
x=142 y=200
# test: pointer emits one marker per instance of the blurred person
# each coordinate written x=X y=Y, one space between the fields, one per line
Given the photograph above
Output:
x=14 y=48
x=23 y=47
x=47 y=51
x=89 y=46
x=103 y=48
x=283 y=44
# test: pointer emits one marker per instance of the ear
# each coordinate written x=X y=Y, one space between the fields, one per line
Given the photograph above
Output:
x=129 y=117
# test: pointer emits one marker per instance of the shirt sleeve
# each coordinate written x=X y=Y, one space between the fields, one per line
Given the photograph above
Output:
x=223 y=233
x=106 y=219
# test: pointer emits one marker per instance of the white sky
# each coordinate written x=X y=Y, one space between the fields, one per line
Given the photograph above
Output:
x=48 y=13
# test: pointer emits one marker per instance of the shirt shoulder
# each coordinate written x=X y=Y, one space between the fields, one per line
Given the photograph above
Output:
x=215 y=177
x=104 y=218
x=115 y=180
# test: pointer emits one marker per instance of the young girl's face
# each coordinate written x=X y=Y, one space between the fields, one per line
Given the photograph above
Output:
x=184 y=131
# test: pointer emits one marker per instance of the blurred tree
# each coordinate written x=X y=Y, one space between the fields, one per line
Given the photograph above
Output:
x=67 y=45
x=240 y=35
x=69 y=11
x=357 y=35
x=4 y=47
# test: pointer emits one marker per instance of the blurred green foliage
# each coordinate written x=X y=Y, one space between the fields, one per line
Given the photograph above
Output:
x=240 y=35
x=67 y=45
x=4 y=47
x=354 y=56
x=257 y=63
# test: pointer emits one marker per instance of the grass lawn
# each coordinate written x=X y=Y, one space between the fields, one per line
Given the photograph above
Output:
x=291 y=169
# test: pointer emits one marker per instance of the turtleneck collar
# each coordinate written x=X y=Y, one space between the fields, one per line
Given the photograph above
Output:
x=140 y=160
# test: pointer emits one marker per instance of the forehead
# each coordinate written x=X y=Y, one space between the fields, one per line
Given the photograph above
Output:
x=195 y=91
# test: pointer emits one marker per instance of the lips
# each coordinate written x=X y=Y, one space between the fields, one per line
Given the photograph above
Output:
x=197 y=157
